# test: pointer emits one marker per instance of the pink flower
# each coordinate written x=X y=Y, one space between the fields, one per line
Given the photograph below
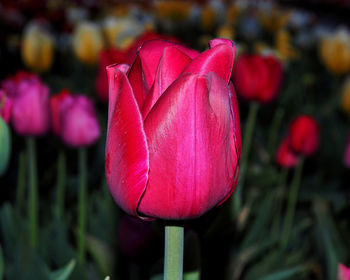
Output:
x=78 y=124
x=30 y=111
x=343 y=272
x=173 y=144
x=347 y=154
x=5 y=106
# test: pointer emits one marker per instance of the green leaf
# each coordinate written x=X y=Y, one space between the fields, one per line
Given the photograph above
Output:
x=63 y=273
x=2 y=264
x=5 y=143
x=284 y=274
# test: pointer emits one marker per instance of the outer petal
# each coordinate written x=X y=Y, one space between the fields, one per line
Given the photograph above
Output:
x=192 y=159
x=218 y=59
x=126 y=146
x=170 y=66
x=151 y=53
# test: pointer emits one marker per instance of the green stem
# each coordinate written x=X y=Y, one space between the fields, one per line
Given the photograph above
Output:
x=33 y=192
x=279 y=198
x=273 y=133
x=61 y=183
x=292 y=200
x=21 y=181
x=82 y=205
x=173 y=253
x=247 y=140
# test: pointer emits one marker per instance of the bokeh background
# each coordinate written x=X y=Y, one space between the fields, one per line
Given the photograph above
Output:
x=68 y=44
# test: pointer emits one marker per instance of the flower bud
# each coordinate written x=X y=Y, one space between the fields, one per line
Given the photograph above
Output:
x=285 y=156
x=37 y=48
x=87 y=42
x=304 y=135
x=335 y=52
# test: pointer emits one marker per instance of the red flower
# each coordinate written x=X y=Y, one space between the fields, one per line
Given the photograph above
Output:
x=173 y=143
x=257 y=78
x=285 y=156
x=107 y=57
x=304 y=135
x=30 y=111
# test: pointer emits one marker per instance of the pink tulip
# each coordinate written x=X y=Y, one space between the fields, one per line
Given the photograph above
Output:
x=343 y=272
x=78 y=124
x=173 y=144
x=347 y=154
x=30 y=111
x=5 y=106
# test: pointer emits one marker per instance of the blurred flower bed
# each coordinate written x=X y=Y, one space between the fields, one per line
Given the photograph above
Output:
x=288 y=217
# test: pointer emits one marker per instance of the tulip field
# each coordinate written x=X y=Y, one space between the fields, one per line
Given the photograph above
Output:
x=174 y=140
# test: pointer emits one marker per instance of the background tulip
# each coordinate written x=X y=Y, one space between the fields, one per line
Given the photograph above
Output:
x=335 y=51
x=87 y=42
x=30 y=112
x=5 y=106
x=173 y=144
x=285 y=157
x=257 y=77
x=343 y=272
x=304 y=135
x=78 y=121
x=37 y=47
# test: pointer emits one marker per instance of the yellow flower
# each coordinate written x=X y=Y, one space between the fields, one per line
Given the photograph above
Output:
x=225 y=31
x=284 y=46
x=173 y=10
x=274 y=19
x=121 y=32
x=37 y=48
x=345 y=100
x=87 y=42
x=335 y=52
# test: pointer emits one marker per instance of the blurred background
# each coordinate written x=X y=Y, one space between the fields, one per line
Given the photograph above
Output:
x=293 y=216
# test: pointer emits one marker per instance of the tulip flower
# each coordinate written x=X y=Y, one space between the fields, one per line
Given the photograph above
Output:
x=37 y=48
x=345 y=100
x=74 y=119
x=107 y=57
x=335 y=52
x=173 y=140
x=285 y=156
x=5 y=106
x=30 y=111
x=159 y=163
x=87 y=42
x=347 y=154
x=343 y=272
x=257 y=78
x=304 y=135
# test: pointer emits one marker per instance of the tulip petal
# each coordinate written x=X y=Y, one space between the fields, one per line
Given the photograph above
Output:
x=126 y=146
x=170 y=66
x=192 y=154
x=151 y=53
x=137 y=81
x=218 y=59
